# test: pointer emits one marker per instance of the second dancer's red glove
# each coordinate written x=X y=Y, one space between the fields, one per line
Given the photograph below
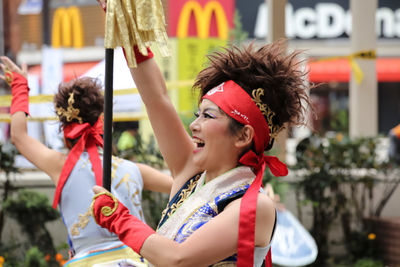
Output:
x=20 y=93
x=109 y=213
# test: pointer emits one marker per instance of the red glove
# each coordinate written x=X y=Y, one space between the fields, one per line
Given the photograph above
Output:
x=109 y=213
x=20 y=94
x=139 y=56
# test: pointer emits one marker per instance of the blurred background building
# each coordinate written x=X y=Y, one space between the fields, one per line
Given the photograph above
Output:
x=63 y=39
x=321 y=28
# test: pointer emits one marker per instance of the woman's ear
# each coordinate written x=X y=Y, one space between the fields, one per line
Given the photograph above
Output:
x=245 y=137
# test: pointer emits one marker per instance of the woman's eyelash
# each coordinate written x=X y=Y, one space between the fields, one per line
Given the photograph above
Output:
x=204 y=114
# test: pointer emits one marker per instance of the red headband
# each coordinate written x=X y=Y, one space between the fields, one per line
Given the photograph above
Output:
x=89 y=139
x=235 y=102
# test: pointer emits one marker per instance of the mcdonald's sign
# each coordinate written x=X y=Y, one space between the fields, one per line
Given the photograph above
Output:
x=200 y=18
x=67 y=29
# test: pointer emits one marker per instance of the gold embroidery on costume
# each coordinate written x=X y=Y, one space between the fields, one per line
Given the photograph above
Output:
x=220 y=191
x=125 y=179
x=105 y=210
x=267 y=112
x=84 y=163
x=135 y=202
x=185 y=193
x=203 y=214
x=82 y=223
x=214 y=206
x=71 y=112
x=115 y=162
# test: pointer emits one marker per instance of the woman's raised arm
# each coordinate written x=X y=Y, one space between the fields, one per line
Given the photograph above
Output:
x=175 y=143
x=44 y=158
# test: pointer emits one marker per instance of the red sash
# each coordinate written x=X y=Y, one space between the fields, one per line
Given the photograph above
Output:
x=90 y=138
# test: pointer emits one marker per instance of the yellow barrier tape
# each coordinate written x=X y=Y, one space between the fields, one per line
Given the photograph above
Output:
x=358 y=73
x=5 y=100
x=120 y=116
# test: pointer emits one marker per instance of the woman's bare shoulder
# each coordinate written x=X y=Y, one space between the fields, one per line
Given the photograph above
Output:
x=264 y=202
x=265 y=206
x=265 y=217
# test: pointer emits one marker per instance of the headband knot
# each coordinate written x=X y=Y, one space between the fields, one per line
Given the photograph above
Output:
x=90 y=138
x=251 y=159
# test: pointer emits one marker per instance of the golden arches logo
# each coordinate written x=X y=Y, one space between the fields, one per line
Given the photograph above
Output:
x=203 y=19
x=67 y=30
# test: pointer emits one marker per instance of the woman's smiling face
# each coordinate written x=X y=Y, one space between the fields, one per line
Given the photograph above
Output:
x=214 y=149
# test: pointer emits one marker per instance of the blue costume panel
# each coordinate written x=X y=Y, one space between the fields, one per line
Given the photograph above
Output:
x=197 y=202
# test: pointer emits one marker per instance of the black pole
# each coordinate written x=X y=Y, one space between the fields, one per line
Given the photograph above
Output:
x=2 y=19
x=108 y=116
x=45 y=22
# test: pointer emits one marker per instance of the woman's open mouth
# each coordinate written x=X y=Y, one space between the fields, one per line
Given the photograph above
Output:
x=199 y=143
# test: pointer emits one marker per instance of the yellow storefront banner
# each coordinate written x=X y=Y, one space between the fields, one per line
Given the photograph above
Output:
x=203 y=15
x=191 y=60
x=192 y=51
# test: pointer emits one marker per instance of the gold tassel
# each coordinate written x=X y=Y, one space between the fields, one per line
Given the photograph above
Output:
x=135 y=22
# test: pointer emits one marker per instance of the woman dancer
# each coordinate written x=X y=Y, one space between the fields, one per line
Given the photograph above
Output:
x=79 y=106
x=217 y=213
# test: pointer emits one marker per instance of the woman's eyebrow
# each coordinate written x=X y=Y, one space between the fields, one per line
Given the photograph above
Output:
x=210 y=109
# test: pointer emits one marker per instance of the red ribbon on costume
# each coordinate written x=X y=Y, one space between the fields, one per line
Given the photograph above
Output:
x=90 y=138
x=235 y=102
